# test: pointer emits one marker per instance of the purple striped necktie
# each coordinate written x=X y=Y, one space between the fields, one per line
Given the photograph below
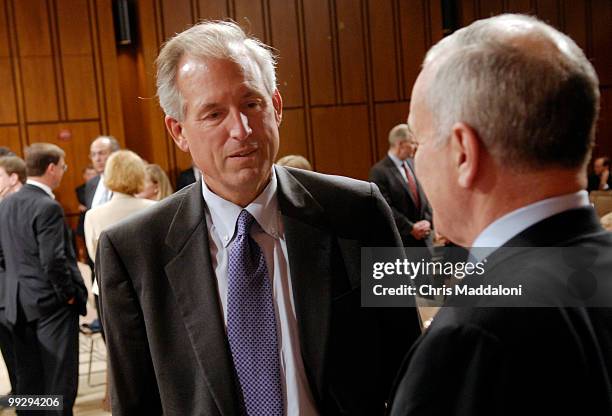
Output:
x=251 y=324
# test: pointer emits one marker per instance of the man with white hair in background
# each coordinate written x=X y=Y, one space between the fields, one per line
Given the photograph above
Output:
x=504 y=113
x=96 y=192
x=241 y=294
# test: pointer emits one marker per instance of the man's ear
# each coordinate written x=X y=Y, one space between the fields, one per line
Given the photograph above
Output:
x=13 y=179
x=465 y=148
x=176 y=131
x=51 y=167
x=277 y=102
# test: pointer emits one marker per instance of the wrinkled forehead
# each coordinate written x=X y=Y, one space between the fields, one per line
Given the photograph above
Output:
x=100 y=144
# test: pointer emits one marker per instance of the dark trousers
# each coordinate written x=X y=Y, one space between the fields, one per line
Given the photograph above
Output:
x=47 y=356
x=8 y=350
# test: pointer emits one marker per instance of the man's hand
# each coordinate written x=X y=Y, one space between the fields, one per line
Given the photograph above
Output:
x=440 y=240
x=82 y=208
x=4 y=191
x=421 y=229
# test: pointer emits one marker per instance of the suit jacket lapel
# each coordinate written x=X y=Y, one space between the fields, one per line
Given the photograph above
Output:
x=309 y=247
x=193 y=281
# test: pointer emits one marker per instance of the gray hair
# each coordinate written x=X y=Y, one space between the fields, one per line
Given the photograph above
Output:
x=532 y=104
x=206 y=40
x=399 y=133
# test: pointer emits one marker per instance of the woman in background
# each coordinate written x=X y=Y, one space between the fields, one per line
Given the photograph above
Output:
x=294 y=161
x=157 y=185
x=124 y=176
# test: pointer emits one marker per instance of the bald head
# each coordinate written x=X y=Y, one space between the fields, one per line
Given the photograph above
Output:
x=526 y=88
x=99 y=151
x=501 y=105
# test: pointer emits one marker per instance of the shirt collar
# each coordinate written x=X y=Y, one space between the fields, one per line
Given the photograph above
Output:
x=224 y=214
x=42 y=186
x=398 y=162
x=506 y=227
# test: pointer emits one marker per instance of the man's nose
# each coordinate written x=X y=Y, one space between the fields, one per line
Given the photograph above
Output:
x=240 y=128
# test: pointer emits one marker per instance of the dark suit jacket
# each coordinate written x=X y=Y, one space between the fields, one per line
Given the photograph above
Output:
x=519 y=360
x=80 y=192
x=37 y=256
x=397 y=194
x=167 y=347
x=185 y=178
x=90 y=190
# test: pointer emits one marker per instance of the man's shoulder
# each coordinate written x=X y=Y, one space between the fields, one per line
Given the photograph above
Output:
x=382 y=165
x=323 y=186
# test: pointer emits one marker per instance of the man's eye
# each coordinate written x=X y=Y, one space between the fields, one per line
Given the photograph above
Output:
x=254 y=104
x=213 y=116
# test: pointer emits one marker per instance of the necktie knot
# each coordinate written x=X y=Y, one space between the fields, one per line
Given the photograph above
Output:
x=245 y=220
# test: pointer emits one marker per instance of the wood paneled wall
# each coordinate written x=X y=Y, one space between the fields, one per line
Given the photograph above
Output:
x=587 y=22
x=345 y=71
x=58 y=71
x=345 y=68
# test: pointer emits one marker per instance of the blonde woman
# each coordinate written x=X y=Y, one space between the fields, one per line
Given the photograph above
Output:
x=124 y=176
x=294 y=161
x=157 y=185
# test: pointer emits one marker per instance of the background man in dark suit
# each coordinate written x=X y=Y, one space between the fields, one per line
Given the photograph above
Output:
x=242 y=294
x=44 y=290
x=395 y=178
x=600 y=179
x=504 y=112
x=88 y=173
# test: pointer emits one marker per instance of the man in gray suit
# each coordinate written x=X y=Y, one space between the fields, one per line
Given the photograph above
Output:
x=44 y=290
x=240 y=294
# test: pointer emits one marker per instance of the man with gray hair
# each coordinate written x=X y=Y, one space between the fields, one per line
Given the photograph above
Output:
x=240 y=295
x=96 y=192
x=396 y=180
x=504 y=113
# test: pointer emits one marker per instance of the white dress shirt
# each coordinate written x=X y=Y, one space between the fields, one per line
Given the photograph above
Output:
x=42 y=186
x=268 y=232
x=503 y=229
x=399 y=164
x=102 y=194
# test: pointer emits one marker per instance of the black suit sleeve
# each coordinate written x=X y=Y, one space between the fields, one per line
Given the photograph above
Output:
x=404 y=225
x=399 y=326
x=52 y=251
x=133 y=387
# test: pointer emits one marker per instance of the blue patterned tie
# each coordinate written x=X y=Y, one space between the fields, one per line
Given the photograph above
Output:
x=251 y=324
